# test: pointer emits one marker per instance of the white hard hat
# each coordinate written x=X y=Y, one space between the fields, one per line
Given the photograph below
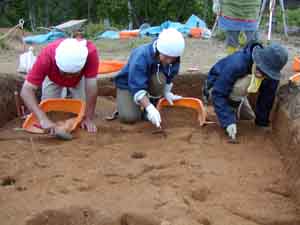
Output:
x=170 y=42
x=71 y=55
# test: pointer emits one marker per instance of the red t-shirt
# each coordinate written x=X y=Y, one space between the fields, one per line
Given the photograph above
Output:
x=45 y=65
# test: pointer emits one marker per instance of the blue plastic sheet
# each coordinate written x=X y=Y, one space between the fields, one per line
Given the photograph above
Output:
x=44 y=38
x=110 y=34
x=193 y=21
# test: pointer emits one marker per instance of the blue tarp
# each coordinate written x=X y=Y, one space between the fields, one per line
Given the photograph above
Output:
x=44 y=38
x=110 y=34
x=193 y=21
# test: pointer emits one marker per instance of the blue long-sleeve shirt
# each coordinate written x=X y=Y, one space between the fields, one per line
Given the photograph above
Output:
x=142 y=64
x=222 y=77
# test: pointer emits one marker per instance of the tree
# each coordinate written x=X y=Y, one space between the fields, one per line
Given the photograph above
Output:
x=119 y=12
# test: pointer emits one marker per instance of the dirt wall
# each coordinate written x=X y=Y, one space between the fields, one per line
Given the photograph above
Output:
x=9 y=83
x=287 y=134
x=185 y=84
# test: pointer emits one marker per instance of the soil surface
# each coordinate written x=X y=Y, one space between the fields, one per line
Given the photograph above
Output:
x=186 y=175
x=136 y=174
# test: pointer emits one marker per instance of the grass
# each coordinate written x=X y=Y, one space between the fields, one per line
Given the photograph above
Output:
x=120 y=47
x=3 y=45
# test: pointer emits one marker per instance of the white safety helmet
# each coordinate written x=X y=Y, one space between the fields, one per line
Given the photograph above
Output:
x=170 y=42
x=71 y=55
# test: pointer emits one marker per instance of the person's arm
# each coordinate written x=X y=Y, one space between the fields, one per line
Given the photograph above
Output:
x=90 y=72
x=138 y=86
x=223 y=82
x=265 y=101
x=28 y=96
x=91 y=90
x=144 y=102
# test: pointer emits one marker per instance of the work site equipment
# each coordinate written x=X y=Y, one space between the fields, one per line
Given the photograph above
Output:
x=296 y=64
x=272 y=7
x=295 y=79
x=110 y=66
x=193 y=103
x=75 y=106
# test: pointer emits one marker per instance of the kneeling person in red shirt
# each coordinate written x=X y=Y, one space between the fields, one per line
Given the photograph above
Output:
x=64 y=64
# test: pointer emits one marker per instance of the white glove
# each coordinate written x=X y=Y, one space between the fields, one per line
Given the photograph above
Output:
x=153 y=115
x=231 y=130
x=169 y=95
x=216 y=7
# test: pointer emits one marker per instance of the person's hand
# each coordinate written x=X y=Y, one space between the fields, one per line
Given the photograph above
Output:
x=169 y=96
x=153 y=115
x=216 y=7
x=48 y=125
x=89 y=125
x=231 y=131
x=172 y=97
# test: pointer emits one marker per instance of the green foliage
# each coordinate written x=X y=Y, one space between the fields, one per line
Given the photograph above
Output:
x=293 y=17
x=123 y=46
x=135 y=42
x=92 y=29
x=3 y=45
x=220 y=35
x=47 y=13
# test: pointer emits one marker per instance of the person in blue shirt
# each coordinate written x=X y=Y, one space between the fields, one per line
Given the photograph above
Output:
x=148 y=76
x=253 y=69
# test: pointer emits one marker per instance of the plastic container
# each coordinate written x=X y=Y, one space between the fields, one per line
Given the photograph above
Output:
x=296 y=64
x=110 y=66
x=129 y=34
x=193 y=103
x=196 y=32
x=295 y=79
x=75 y=106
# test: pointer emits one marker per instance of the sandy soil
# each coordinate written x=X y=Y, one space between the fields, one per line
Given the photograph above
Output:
x=190 y=175
x=137 y=175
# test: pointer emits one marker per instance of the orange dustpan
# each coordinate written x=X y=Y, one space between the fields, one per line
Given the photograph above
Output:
x=110 y=66
x=193 y=103
x=295 y=79
x=296 y=64
x=75 y=106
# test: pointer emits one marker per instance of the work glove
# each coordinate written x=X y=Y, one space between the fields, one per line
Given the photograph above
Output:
x=169 y=95
x=231 y=131
x=153 y=115
x=216 y=7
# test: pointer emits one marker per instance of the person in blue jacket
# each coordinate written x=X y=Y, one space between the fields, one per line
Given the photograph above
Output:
x=148 y=76
x=252 y=69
